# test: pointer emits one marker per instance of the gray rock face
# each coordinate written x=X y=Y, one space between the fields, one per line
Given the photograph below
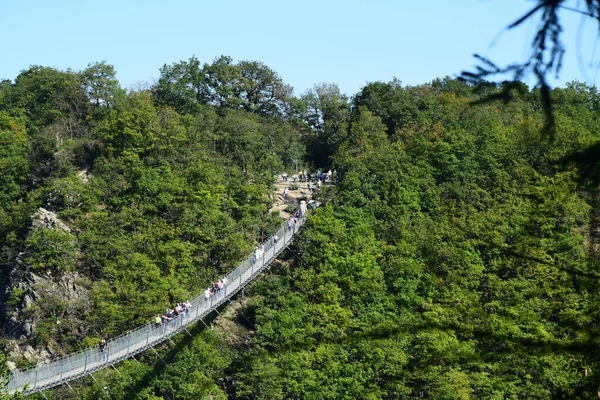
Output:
x=55 y=300
x=64 y=298
x=47 y=219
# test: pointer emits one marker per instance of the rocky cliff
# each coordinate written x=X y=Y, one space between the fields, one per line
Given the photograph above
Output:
x=42 y=307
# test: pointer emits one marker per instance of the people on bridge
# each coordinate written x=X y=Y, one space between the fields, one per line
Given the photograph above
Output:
x=103 y=349
x=179 y=310
x=170 y=316
x=257 y=254
x=182 y=309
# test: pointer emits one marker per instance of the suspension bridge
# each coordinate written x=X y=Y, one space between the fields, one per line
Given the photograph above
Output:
x=77 y=365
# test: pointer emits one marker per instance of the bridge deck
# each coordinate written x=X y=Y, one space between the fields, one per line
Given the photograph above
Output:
x=133 y=342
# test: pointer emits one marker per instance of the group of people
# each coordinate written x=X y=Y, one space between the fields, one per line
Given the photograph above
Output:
x=259 y=251
x=305 y=176
x=181 y=309
x=216 y=287
x=292 y=220
x=171 y=313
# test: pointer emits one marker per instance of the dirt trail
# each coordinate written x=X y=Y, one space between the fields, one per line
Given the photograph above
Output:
x=293 y=198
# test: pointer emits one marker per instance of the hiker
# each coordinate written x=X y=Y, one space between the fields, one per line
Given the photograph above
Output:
x=171 y=317
x=103 y=350
x=285 y=193
x=165 y=318
x=206 y=294
x=219 y=285
x=103 y=345
x=275 y=238
x=224 y=281
x=158 y=321
x=256 y=254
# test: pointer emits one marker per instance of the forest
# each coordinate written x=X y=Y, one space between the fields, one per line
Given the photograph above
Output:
x=456 y=256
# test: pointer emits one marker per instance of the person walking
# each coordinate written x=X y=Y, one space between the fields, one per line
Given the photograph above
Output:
x=103 y=350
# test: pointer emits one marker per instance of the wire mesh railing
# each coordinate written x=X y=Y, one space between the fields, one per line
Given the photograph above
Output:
x=135 y=341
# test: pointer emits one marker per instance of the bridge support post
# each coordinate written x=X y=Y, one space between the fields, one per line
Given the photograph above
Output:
x=35 y=381
x=148 y=335
x=128 y=342
x=85 y=366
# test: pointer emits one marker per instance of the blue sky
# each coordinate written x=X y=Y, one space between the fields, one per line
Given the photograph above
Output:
x=307 y=42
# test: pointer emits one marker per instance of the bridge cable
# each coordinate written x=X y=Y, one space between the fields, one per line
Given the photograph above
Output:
x=102 y=388
x=181 y=351
x=150 y=376
x=73 y=390
x=250 y=322
x=127 y=383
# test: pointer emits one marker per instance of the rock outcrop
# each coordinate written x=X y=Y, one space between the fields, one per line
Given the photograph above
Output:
x=42 y=309
x=47 y=219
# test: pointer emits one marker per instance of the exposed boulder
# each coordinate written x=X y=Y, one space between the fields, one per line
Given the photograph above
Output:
x=84 y=175
x=58 y=302
x=48 y=220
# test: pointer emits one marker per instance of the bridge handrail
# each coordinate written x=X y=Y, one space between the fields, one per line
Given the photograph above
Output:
x=88 y=360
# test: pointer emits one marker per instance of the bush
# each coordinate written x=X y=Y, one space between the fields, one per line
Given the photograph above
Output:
x=50 y=249
x=16 y=296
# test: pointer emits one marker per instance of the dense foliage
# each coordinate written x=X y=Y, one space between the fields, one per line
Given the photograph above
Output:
x=455 y=258
x=158 y=202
